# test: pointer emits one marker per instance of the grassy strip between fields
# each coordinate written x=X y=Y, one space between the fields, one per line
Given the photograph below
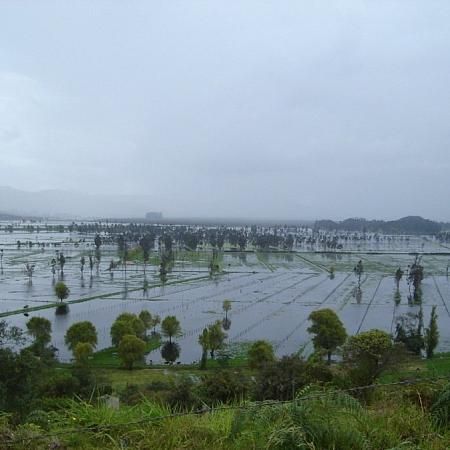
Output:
x=109 y=357
x=95 y=297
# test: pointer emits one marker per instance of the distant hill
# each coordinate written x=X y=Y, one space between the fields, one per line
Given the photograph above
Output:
x=6 y=216
x=69 y=204
x=405 y=225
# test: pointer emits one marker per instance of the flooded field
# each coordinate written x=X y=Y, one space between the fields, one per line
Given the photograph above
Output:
x=272 y=293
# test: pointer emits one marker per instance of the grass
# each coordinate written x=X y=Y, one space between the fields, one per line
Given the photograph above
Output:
x=438 y=366
x=108 y=357
x=335 y=421
x=107 y=364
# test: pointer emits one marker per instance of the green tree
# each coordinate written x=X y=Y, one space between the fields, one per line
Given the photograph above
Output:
x=97 y=241
x=146 y=318
x=82 y=352
x=226 y=307
x=367 y=354
x=61 y=291
x=119 y=329
x=155 y=322
x=203 y=340
x=40 y=329
x=81 y=332
x=329 y=332
x=124 y=324
x=432 y=334
x=398 y=277
x=216 y=338
x=415 y=278
x=146 y=243
x=131 y=350
x=10 y=335
x=170 y=327
x=260 y=353
x=409 y=331
x=359 y=270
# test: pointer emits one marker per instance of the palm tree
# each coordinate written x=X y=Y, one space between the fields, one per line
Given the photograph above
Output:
x=170 y=327
x=226 y=307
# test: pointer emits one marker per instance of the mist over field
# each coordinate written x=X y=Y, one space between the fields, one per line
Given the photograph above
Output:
x=259 y=109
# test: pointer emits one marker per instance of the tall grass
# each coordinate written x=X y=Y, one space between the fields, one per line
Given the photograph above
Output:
x=317 y=420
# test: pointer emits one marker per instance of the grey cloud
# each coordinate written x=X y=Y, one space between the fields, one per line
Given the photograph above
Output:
x=256 y=109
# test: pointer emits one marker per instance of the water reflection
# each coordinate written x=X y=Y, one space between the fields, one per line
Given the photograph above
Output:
x=170 y=352
x=226 y=324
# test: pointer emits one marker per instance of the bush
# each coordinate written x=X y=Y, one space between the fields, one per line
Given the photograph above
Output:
x=224 y=386
x=183 y=395
x=60 y=384
x=281 y=379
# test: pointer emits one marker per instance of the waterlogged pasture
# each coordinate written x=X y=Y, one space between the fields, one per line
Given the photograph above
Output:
x=272 y=294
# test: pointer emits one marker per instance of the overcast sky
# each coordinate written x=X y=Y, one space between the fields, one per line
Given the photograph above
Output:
x=280 y=109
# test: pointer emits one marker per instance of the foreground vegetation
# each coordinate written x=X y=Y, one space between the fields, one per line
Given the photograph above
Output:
x=317 y=419
x=380 y=396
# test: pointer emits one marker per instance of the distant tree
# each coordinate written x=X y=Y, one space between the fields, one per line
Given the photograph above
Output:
x=10 y=335
x=146 y=243
x=61 y=291
x=216 y=338
x=91 y=264
x=191 y=240
x=289 y=242
x=220 y=241
x=82 y=352
x=62 y=262
x=131 y=350
x=328 y=330
x=432 y=334
x=168 y=242
x=203 y=340
x=81 y=332
x=122 y=246
x=97 y=241
x=156 y=320
x=409 y=331
x=359 y=270
x=415 y=278
x=53 y=265
x=170 y=327
x=242 y=242
x=332 y=273
x=40 y=329
x=260 y=353
x=398 y=277
x=226 y=307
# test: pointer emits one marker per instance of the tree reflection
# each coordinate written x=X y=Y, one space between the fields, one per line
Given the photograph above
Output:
x=170 y=351
x=226 y=324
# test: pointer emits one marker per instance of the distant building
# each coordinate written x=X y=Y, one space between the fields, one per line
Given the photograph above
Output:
x=152 y=215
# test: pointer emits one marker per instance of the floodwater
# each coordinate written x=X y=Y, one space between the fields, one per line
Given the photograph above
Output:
x=272 y=294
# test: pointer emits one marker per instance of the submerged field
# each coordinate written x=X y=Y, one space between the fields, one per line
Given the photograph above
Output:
x=272 y=293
